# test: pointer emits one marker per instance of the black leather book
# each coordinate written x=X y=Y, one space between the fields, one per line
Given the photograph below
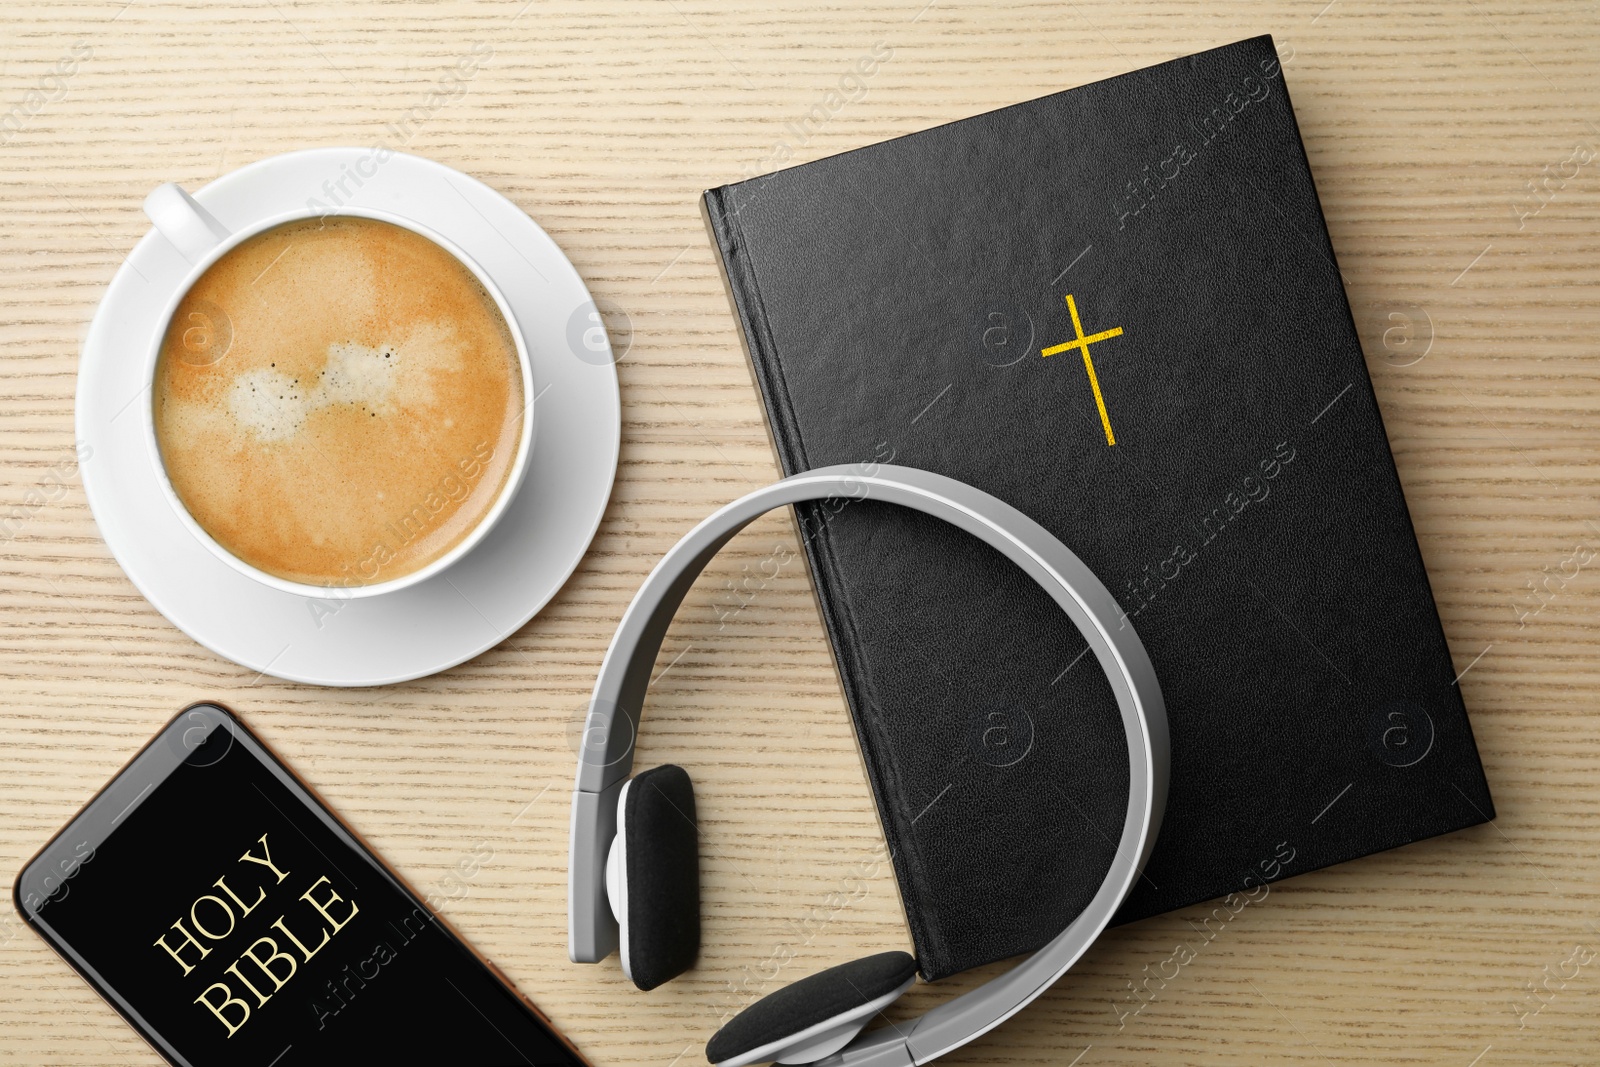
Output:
x=1118 y=309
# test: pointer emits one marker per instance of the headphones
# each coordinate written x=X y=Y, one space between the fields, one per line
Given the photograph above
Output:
x=633 y=868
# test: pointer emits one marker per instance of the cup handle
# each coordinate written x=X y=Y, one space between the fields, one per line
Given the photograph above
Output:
x=192 y=229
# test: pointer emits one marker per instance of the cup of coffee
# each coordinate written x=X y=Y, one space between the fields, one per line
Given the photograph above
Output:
x=340 y=403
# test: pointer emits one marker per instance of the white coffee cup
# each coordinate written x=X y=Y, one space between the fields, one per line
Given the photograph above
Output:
x=201 y=239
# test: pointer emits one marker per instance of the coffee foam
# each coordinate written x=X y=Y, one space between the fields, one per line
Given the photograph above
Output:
x=274 y=407
x=366 y=368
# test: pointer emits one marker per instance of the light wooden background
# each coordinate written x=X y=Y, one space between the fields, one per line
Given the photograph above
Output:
x=1424 y=123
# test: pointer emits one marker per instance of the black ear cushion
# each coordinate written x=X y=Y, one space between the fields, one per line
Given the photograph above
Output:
x=811 y=1001
x=663 y=860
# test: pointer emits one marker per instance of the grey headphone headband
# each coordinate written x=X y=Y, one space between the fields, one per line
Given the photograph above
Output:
x=606 y=757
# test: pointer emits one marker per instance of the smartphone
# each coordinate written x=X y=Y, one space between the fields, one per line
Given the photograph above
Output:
x=231 y=918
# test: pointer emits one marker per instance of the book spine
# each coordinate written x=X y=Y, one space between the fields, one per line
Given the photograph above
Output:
x=739 y=284
x=766 y=368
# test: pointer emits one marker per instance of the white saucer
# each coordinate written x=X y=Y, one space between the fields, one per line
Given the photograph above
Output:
x=426 y=628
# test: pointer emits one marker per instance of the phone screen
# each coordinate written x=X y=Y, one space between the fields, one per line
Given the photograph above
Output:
x=232 y=920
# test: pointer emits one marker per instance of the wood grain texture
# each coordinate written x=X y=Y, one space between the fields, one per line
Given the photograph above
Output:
x=1424 y=123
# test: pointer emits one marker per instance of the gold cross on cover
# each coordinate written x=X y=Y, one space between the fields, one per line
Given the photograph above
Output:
x=1088 y=364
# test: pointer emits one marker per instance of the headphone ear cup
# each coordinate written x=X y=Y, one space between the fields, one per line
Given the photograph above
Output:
x=654 y=865
x=816 y=1016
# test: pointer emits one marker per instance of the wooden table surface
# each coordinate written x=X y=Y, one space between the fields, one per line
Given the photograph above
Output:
x=1478 y=302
